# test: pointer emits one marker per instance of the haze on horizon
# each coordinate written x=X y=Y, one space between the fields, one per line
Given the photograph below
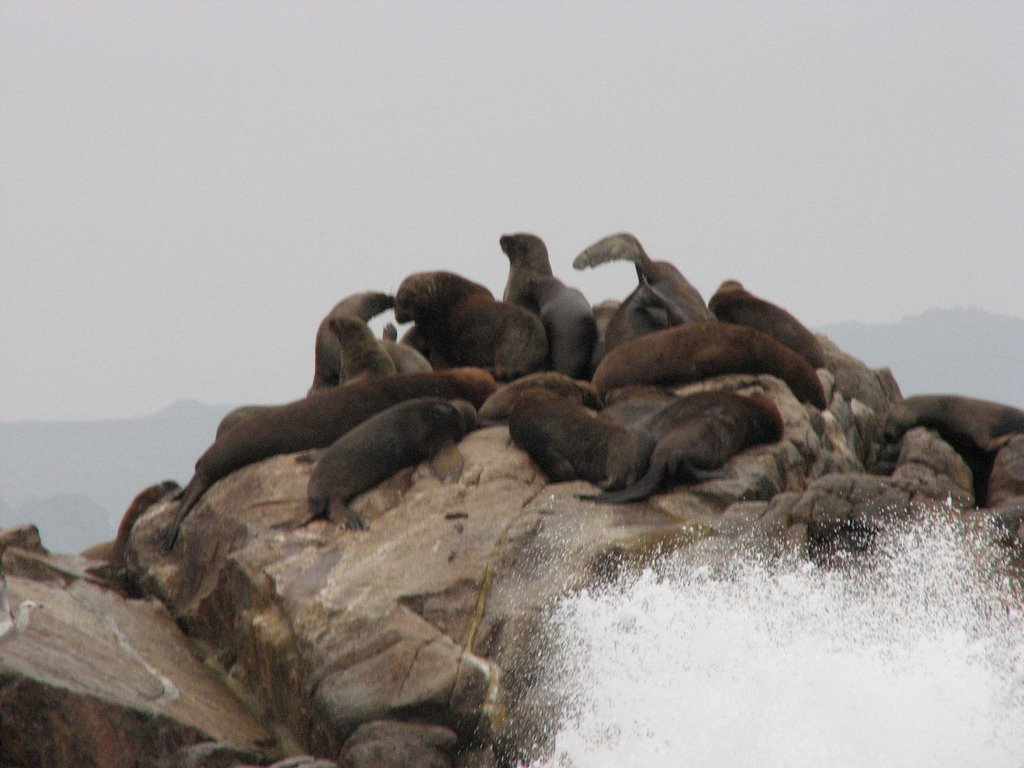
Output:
x=188 y=187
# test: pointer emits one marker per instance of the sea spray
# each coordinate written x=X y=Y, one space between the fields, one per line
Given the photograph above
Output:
x=913 y=656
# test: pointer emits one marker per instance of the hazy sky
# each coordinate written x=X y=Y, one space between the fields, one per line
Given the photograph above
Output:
x=188 y=187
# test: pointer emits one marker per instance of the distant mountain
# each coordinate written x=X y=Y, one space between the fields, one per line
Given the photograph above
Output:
x=960 y=351
x=74 y=479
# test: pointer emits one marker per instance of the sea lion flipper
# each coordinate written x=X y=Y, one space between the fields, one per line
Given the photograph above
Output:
x=639 y=491
x=447 y=464
x=620 y=247
x=344 y=515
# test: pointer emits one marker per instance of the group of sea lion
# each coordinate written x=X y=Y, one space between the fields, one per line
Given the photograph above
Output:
x=584 y=392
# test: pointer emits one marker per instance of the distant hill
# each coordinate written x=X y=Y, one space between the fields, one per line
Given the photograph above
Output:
x=961 y=351
x=74 y=479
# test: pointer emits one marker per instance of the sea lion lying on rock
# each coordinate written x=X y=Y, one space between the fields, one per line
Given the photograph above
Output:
x=460 y=323
x=318 y=420
x=663 y=298
x=400 y=436
x=696 y=436
x=732 y=303
x=976 y=429
x=498 y=406
x=697 y=351
x=569 y=442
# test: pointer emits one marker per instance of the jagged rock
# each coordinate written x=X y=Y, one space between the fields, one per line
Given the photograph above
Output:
x=1007 y=478
x=94 y=679
x=390 y=744
x=931 y=469
x=24 y=537
x=876 y=388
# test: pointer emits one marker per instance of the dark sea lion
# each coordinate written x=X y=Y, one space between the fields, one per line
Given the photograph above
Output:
x=569 y=442
x=328 y=352
x=961 y=421
x=498 y=406
x=400 y=436
x=732 y=303
x=235 y=417
x=113 y=552
x=462 y=324
x=565 y=312
x=630 y=406
x=697 y=351
x=663 y=298
x=318 y=420
x=696 y=436
x=976 y=429
x=527 y=258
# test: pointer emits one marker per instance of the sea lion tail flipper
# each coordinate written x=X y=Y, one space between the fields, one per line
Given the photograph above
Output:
x=447 y=464
x=620 y=247
x=193 y=491
x=342 y=513
x=639 y=491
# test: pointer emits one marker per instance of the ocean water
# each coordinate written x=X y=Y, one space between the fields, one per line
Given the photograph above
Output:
x=913 y=657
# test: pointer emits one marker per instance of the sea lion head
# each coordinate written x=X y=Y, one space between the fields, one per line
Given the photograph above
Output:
x=526 y=250
x=423 y=293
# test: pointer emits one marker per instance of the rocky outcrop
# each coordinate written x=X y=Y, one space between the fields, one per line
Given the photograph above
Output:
x=419 y=642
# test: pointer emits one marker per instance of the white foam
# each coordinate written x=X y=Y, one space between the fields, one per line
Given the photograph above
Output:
x=915 y=660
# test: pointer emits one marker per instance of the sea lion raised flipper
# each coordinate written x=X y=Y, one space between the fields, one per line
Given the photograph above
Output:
x=619 y=247
x=447 y=464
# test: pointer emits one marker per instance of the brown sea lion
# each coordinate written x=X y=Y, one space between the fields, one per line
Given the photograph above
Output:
x=976 y=429
x=696 y=436
x=113 y=552
x=663 y=298
x=462 y=324
x=603 y=314
x=327 y=361
x=318 y=420
x=565 y=312
x=732 y=303
x=498 y=406
x=527 y=258
x=697 y=351
x=630 y=406
x=235 y=417
x=569 y=442
x=400 y=436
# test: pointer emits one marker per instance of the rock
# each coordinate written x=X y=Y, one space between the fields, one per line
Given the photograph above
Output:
x=931 y=469
x=390 y=744
x=876 y=388
x=95 y=679
x=1007 y=478
x=24 y=537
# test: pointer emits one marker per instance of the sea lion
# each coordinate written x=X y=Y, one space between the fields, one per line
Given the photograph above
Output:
x=963 y=422
x=400 y=436
x=696 y=436
x=362 y=354
x=662 y=299
x=603 y=314
x=569 y=442
x=976 y=429
x=565 y=312
x=113 y=551
x=697 y=351
x=463 y=325
x=527 y=258
x=327 y=362
x=629 y=406
x=318 y=420
x=235 y=417
x=498 y=406
x=407 y=359
x=732 y=303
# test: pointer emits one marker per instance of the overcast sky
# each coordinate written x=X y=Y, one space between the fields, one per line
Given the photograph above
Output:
x=188 y=187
